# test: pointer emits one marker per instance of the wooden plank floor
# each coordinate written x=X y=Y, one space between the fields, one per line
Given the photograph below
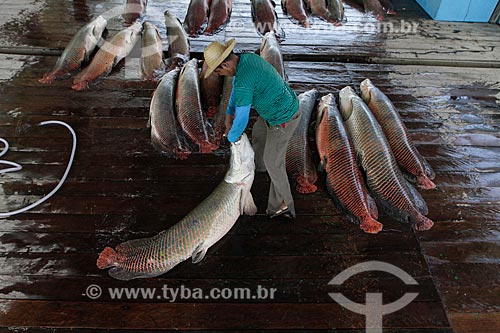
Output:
x=120 y=188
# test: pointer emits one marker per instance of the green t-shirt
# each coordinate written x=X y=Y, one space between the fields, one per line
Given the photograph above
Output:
x=257 y=83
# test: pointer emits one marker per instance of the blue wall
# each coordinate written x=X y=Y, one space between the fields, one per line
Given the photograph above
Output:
x=459 y=10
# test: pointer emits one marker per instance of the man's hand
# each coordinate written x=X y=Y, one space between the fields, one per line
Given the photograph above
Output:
x=228 y=123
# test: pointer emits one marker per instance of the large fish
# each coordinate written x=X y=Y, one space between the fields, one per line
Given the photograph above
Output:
x=194 y=234
x=383 y=176
x=178 y=42
x=134 y=9
x=210 y=89
x=270 y=51
x=110 y=54
x=344 y=181
x=166 y=134
x=220 y=117
x=336 y=9
x=219 y=16
x=189 y=108
x=152 y=52
x=396 y=133
x=265 y=19
x=299 y=164
x=375 y=7
x=196 y=19
x=296 y=12
x=320 y=9
x=78 y=50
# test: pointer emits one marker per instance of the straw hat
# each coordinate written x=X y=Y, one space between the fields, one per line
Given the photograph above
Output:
x=215 y=53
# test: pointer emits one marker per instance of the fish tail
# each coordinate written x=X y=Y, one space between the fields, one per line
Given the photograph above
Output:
x=425 y=183
x=207 y=147
x=108 y=258
x=182 y=154
x=370 y=225
x=80 y=85
x=211 y=111
x=48 y=78
x=422 y=223
x=304 y=186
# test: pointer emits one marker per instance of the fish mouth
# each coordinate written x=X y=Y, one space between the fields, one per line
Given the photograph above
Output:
x=366 y=87
x=345 y=98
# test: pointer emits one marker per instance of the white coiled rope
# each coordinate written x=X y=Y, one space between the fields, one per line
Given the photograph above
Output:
x=17 y=167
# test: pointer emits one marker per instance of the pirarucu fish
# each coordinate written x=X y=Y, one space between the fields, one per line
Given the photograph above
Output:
x=110 y=54
x=383 y=176
x=189 y=108
x=77 y=51
x=265 y=19
x=344 y=181
x=194 y=234
x=270 y=51
x=151 y=52
x=299 y=163
x=396 y=133
x=219 y=16
x=178 y=42
x=296 y=12
x=196 y=19
x=166 y=134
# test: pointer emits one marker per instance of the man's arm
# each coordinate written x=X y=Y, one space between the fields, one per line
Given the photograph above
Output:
x=239 y=123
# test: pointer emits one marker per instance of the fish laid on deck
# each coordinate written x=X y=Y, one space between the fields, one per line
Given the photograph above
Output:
x=166 y=134
x=77 y=51
x=299 y=163
x=210 y=89
x=110 y=54
x=321 y=9
x=134 y=9
x=344 y=181
x=178 y=42
x=383 y=176
x=270 y=51
x=374 y=7
x=265 y=19
x=189 y=108
x=219 y=124
x=194 y=234
x=152 y=52
x=296 y=12
x=196 y=19
x=396 y=133
x=219 y=16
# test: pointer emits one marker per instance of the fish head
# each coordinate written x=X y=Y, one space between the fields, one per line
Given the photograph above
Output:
x=345 y=100
x=241 y=164
x=366 y=88
x=324 y=103
x=97 y=28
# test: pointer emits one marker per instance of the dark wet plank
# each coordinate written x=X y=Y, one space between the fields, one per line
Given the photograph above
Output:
x=206 y=316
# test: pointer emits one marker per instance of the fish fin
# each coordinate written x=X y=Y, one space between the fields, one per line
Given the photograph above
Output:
x=428 y=169
x=417 y=199
x=425 y=183
x=370 y=225
x=304 y=185
x=124 y=274
x=247 y=205
x=199 y=254
x=108 y=258
x=422 y=223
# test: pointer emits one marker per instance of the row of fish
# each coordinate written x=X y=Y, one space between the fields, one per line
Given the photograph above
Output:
x=207 y=16
x=367 y=132
x=188 y=108
x=110 y=53
x=196 y=232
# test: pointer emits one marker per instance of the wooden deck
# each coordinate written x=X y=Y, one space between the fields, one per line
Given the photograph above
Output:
x=445 y=81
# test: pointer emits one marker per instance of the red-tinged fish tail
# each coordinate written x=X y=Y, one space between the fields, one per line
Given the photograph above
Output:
x=425 y=183
x=108 y=258
x=49 y=78
x=304 y=186
x=422 y=223
x=211 y=111
x=370 y=225
x=207 y=147
x=79 y=86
